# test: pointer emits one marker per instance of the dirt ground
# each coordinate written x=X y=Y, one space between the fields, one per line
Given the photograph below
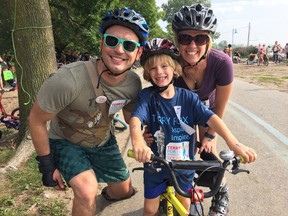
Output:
x=272 y=77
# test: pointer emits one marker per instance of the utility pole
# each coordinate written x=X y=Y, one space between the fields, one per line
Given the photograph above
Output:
x=234 y=31
x=248 y=35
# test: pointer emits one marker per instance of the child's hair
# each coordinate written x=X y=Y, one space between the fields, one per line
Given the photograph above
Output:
x=151 y=61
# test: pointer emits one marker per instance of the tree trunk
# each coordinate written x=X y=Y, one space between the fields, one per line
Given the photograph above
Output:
x=34 y=57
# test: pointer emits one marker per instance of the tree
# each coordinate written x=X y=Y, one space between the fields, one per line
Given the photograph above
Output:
x=76 y=23
x=35 y=58
x=174 y=5
x=5 y=26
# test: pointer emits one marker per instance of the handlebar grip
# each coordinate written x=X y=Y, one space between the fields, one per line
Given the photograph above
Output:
x=241 y=159
x=130 y=153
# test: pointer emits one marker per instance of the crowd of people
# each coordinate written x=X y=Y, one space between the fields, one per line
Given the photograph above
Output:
x=80 y=149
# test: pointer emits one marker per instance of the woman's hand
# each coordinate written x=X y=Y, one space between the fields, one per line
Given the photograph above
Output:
x=206 y=145
x=148 y=137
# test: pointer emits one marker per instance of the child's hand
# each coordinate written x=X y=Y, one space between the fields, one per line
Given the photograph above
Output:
x=246 y=152
x=142 y=153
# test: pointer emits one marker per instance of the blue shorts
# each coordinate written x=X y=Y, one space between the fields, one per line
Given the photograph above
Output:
x=106 y=161
x=156 y=183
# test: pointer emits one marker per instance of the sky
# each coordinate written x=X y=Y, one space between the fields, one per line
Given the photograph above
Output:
x=267 y=20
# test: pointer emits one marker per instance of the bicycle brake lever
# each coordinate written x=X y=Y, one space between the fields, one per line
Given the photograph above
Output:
x=237 y=170
x=137 y=168
x=151 y=169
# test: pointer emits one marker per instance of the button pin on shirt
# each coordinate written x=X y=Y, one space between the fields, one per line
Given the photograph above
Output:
x=101 y=99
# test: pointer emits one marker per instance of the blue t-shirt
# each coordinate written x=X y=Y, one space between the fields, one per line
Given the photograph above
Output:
x=171 y=140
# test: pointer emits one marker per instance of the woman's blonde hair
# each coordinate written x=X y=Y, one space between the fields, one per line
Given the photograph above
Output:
x=151 y=62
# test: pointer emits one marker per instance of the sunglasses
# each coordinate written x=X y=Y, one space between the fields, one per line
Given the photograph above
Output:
x=112 y=41
x=199 y=40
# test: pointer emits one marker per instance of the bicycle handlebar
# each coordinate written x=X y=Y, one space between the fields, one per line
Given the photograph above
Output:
x=198 y=165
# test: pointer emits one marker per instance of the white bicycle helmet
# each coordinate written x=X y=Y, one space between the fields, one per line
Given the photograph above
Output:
x=194 y=17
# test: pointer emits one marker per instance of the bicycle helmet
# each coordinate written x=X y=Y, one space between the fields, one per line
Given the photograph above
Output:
x=158 y=46
x=128 y=18
x=194 y=17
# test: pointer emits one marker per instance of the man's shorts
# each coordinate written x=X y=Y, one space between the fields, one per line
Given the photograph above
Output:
x=106 y=161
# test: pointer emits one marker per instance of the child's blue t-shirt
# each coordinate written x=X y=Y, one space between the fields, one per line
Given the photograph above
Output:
x=171 y=141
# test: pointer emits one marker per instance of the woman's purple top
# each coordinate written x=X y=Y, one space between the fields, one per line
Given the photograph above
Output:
x=219 y=71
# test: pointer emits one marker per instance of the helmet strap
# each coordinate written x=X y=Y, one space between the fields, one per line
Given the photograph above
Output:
x=202 y=57
x=163 y=88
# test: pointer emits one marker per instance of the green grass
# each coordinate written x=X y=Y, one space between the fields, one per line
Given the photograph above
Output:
x=23 y=189
x=6 y=155
x=270 y=79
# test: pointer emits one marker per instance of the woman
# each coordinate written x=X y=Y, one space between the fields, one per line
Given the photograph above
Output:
x=162 y=106
x=206 y=71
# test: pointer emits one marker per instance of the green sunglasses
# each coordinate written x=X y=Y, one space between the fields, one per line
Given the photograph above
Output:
x=113 y=41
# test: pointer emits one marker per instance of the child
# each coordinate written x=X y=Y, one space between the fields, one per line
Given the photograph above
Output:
x=170 y=113
x=9 y=77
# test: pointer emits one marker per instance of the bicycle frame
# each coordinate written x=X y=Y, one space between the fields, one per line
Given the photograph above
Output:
x=10 y=120
x=173 y=202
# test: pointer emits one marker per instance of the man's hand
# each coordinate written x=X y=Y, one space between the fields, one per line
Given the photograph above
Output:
x=47 y=167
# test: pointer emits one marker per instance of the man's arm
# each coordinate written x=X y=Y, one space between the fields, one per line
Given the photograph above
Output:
x=38 y=130
x=38 y=120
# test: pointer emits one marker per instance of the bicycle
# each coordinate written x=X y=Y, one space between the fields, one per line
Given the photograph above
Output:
x=118 y=123
x=10 y=120
x=169 y=204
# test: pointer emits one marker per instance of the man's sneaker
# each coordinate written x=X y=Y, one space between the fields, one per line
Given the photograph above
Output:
x=220 y=202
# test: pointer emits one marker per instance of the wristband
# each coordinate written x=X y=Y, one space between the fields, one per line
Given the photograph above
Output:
x=209 y=136
x=47 y=167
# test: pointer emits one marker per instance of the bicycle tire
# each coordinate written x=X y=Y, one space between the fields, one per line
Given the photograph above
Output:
x=15 y=114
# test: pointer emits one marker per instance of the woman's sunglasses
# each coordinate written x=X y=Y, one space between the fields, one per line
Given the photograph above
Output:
x=113 y=41
x=199 y=40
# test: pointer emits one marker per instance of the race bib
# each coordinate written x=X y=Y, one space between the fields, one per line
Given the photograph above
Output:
x=177 y=151
x=117 y=105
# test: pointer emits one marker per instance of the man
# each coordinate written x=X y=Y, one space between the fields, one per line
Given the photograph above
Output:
x=80 y=144
x=276 y=49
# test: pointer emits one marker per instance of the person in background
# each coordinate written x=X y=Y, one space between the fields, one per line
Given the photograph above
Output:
x=2 y=65
x=276 y=49
x=9 y=77
x=286 y=51
x=80 y=144
x=161 y=107
x=261 y=57
x=230 y=50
